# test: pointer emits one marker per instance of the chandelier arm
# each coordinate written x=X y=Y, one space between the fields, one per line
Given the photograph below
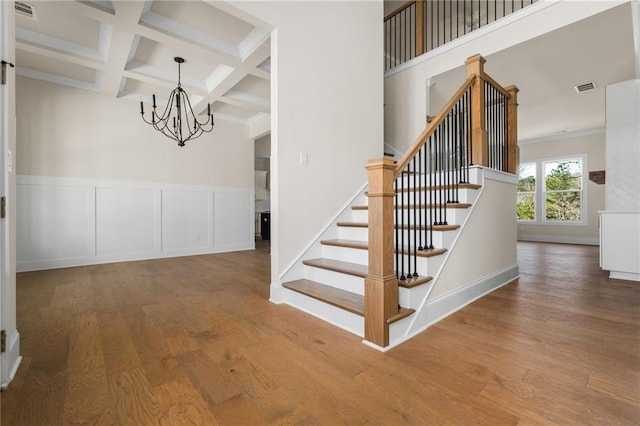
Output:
x=200 y=124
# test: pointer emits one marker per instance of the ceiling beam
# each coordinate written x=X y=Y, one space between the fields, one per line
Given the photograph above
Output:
x=122 y=38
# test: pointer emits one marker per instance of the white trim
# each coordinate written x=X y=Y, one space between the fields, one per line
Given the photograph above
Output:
x=13 y=356
x=628 y=276
x=561 y=239
x=376 y=347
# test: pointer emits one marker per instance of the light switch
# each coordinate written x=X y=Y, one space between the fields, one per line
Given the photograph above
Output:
x=304 y=159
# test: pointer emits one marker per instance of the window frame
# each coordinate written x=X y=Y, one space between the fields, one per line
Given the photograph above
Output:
x=540 y=217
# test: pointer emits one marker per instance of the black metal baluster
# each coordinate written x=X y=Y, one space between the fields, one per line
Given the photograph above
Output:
x=415 y=220
x=401 y=225
x=395 y=223
x=418 y=201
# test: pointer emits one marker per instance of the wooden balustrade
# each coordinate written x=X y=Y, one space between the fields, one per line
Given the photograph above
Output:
x=465 y=112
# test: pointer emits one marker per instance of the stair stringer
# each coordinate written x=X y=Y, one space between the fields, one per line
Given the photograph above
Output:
x=296 y=269
x=433 y=309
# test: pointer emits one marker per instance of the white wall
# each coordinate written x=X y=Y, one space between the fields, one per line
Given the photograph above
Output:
x=593 y=145
x=327 y=102
x=97 y=184
x=469 y=261
x=68 y=132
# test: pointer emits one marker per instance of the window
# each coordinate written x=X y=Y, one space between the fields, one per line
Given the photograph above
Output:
x=551 y=191
x=527 y=192
x=563 y=190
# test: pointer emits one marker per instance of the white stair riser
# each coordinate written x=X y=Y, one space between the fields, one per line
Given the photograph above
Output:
x=361 y=216
x=412 y=297
x=427 y=266
x=441 y=239
x=465 y=195
x=339 y=280
x=329 y=313
x=412 y=181
x=345 y=254
x=454 y=216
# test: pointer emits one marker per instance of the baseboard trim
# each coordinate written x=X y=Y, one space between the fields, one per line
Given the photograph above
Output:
x=131 y=257
x=560 y=239
x=628 y=276
x=440 y=308
x=13 y=359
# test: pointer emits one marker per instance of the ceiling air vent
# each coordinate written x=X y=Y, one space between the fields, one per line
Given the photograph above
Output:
x=585 y=86
x=27 y=10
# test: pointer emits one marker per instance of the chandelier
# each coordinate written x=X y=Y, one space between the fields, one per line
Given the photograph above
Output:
x=178 y=121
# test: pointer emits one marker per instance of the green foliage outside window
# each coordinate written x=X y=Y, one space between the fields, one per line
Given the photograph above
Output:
x=526 y=209
x=563 y=181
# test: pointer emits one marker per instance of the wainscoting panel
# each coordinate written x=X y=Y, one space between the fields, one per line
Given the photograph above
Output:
x=64 y=222
x=186 y=219
x=54 y=222
x=231 y=211
x=126 y=221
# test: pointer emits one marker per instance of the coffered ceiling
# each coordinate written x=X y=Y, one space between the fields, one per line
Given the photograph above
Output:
x=125 y=49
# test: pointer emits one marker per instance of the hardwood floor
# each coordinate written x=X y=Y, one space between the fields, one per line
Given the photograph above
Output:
x=194 y=340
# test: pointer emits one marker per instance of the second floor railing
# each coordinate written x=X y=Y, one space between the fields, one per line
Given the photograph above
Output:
x=419 y=26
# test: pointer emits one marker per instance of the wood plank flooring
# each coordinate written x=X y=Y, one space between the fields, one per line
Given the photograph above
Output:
x=195 y=340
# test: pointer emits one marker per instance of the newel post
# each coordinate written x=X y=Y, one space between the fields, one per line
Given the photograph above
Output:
x=381 y=284
x=479 y=148
x=513 y=149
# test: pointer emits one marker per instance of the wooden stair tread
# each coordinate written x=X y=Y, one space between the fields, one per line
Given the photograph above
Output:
x=414 y=282
x=423 y=227
x=423 y=206
x=358 y=270
x=402 y=313
x=346 y=300
x=339 y=266
x=364 y=246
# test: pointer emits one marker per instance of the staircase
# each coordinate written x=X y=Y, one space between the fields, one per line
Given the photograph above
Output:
x=332 y=287
x=402 y=254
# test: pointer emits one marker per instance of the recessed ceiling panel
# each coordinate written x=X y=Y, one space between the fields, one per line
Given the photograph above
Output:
x=58 y=19
x=254 y=86
x=231 y=110
x=205 y=18
x=196 y=69
x=34 y=62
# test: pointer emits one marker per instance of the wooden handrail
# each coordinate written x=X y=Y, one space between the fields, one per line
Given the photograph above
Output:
x=400 y=9
x=433 y=125
x=489 y=79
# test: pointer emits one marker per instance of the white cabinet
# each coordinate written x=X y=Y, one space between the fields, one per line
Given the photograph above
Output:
x=620 y=244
